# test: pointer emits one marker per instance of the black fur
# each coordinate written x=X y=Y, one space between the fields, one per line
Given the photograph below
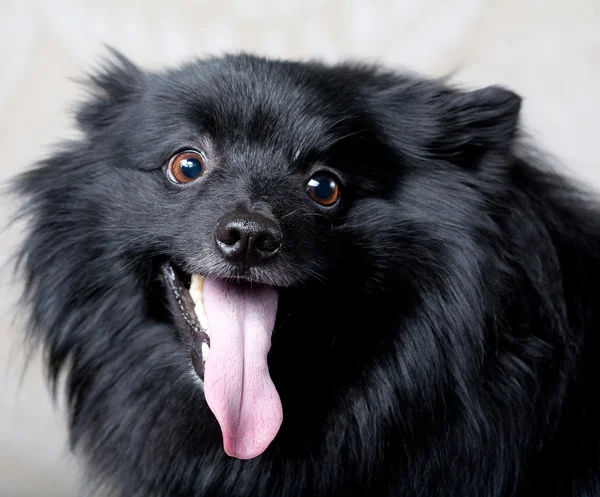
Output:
x=438 y=329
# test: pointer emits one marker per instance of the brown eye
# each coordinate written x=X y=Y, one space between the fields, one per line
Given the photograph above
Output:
x=186 y=167
x=323 y=189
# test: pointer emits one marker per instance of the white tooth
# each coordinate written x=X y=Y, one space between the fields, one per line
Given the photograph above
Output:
x=196 y=288
x=201 y=315
x=197 y=294
x=205 y=351
x=204 y=322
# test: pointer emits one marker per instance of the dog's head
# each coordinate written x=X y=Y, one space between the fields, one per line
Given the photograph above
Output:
x=206 y=206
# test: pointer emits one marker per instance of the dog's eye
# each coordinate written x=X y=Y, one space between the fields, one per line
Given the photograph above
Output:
x=186 y=167
x=323 y=189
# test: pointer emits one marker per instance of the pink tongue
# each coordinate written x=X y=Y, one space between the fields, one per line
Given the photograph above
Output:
x=237 y=385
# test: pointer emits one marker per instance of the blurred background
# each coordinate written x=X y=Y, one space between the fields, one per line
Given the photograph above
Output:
x=547 y=50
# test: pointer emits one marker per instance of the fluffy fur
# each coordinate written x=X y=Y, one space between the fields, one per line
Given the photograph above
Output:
x=437 y=330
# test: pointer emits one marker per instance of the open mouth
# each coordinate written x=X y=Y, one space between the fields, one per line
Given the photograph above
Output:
x=185 y=294
x=228 y=326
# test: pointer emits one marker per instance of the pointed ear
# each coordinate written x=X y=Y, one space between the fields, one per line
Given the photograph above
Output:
x=473 y=123
x=111 y=90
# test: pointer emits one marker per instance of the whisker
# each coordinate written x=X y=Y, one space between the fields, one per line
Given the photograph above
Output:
x=291 y=213
x=163 y=366
x=136 y=259
x=130 y=241
x=337 y=140
x=318 y=214
x=349 y=116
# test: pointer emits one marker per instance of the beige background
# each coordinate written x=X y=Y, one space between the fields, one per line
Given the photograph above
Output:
x=548 y=50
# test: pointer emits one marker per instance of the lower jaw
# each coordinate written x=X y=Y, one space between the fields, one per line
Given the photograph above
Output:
x=183 y=313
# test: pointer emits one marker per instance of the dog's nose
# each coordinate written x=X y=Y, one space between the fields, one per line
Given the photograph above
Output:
x=248 y=238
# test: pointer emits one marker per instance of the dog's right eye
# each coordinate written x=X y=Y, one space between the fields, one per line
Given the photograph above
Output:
x=186 y=166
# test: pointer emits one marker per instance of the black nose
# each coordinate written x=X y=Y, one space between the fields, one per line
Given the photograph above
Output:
x=247 y=238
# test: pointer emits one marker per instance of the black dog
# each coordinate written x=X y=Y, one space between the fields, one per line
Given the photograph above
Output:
x=394 y=294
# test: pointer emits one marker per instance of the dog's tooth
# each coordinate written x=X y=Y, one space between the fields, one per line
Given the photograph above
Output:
x=205 y=351
x=201 y=315
x=203 y=318
x=196 y=295
x=204 y=322
x=196 y=288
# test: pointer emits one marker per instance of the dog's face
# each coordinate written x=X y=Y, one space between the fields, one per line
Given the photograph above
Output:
x=240 y=181
x=208 y=206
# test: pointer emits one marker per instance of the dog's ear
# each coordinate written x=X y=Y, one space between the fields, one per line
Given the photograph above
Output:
x=112 y=89
x=474 y=122
x=427 y=119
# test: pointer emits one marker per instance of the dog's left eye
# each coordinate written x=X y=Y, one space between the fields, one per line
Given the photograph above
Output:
x=186 y=167
x=323 y=189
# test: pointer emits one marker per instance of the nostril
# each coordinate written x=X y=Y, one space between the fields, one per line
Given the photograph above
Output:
x=230 y=236
x=228 y=233
x=267 y=242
